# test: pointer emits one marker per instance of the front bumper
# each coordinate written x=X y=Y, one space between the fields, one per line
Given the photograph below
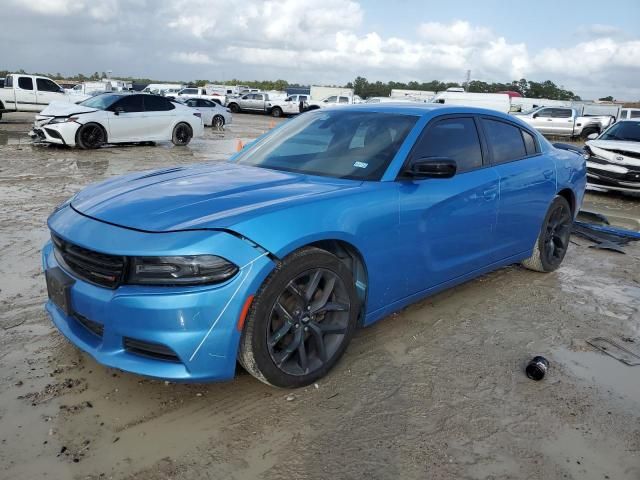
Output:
x=197 y=324
x=56 y=133
x=610 y=176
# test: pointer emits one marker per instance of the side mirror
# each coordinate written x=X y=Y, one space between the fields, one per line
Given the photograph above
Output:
x=118 y=110
x=592 y=136
x=535 y=115
x=431 y=167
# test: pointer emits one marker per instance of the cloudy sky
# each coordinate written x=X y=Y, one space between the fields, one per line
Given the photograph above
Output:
x=590 y=47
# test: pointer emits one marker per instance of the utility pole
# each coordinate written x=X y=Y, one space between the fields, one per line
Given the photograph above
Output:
x=466 y=83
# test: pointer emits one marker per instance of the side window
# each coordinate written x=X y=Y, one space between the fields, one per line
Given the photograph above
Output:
x=455 y=138
x=544 y=113
x=25 y=83
x=190 y=103
x=635 y=113
x=46 y=85
x=8 y=82
x=258 y=97
x=561 y=113
x=529 y=143
x=343 y=100
x=153 y=103
x=129 y=104
x=331 y=99
x=505 y=141
x=302 y=98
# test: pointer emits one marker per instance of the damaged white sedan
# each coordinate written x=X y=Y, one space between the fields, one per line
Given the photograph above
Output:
x=117 y=117
x=613 y=158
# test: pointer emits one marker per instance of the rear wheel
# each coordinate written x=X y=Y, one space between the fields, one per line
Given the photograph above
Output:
x=90 y=136
x=217 y=122
x=276 y=112
x=553 y=241
x=182 y=134
x=301 y=320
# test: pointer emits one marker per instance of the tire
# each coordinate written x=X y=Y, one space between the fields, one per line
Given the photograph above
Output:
x=276 y=112
x=182 y=134
x=289 y=340
x=234 y=107
x=588 y=131
x=217 y=122
x=91 y=136
x=553 y=240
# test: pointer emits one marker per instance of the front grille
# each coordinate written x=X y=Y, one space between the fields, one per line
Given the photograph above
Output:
x=148 y=349
x=632 y=174
x=94 y=267
x=94 y=327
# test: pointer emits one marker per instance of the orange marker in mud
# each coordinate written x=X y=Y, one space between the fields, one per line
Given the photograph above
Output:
x=239 y=145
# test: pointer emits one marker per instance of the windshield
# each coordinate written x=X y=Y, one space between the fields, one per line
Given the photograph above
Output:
x=624 y=131
x=101 y=102
x=336 y=143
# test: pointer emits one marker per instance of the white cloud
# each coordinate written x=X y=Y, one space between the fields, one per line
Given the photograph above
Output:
x=193 y=58
x=307 y=41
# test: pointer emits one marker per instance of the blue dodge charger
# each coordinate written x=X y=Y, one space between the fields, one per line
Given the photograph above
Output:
x=332 y=221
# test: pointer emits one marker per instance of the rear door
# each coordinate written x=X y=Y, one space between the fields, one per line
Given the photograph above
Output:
x=158 y=117
x=49 y=91
x=447 y=226
x=26 y=95
x=527 y=185
x=562 y=121
x=127 y=120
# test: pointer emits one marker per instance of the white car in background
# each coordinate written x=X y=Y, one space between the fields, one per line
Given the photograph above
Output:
x=213 y=113
x=117 y=118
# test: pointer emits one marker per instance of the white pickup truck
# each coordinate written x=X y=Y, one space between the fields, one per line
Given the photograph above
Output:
x=196 y=92
x=264 y=103
x=565 y=122
x=333 y=100
x=31 y=93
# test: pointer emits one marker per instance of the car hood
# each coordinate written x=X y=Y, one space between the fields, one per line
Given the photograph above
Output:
x=64 y=109
x=616 y=151
x=215 y=195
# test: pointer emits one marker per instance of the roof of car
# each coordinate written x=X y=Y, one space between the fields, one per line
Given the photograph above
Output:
x=426 y=109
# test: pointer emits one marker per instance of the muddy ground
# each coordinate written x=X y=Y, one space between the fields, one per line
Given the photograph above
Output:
x=435 y=391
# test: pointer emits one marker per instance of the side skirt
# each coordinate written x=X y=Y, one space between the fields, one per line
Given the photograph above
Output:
x=376 y=315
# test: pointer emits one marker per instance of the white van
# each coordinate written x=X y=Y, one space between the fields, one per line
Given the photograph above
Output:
x=492 y=101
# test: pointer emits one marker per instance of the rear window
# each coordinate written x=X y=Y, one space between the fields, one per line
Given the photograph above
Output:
x=505 y=141
x=529 y=143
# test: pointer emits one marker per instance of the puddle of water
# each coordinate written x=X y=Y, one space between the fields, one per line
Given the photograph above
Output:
x=604 y=371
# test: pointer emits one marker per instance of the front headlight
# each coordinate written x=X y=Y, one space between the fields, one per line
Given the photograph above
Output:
x=184 y=270
x=62 y=120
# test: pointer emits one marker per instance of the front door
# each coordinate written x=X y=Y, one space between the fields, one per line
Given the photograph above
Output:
x=126 y=121
x=48 y=91
x=543 y=121
x=447 y=226
x=26 y=99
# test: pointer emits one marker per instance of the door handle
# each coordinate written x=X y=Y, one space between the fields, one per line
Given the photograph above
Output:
x=549 y=119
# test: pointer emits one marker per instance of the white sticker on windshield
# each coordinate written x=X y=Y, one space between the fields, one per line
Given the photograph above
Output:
x=360 y=164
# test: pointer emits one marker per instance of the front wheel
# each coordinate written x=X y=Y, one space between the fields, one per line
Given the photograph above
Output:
x=182 y=134
x=234 y=108
x=553 y=241
x=301 y=320
x=90 y=136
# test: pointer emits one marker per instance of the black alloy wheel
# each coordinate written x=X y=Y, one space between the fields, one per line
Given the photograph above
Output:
x=308 y=322
x=91 y=136
x=182 y=134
